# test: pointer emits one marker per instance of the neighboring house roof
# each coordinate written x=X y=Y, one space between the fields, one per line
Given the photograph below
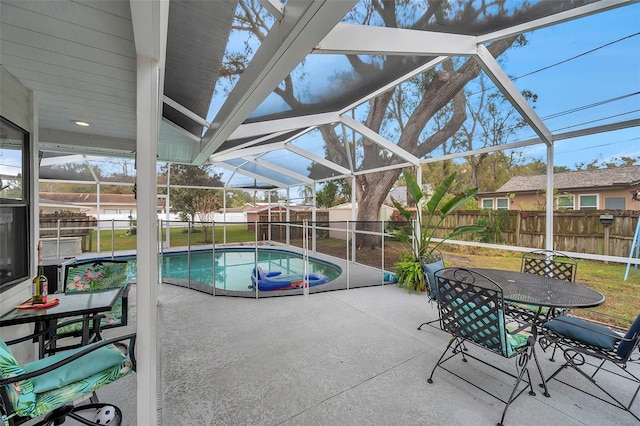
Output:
x=43 y=202
x=620 y=177
x=274 y=208
x=347 y=206
x=92 y=199
x=399 y=193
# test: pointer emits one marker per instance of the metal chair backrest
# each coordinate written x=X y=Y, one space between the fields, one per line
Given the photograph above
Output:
x=550 y=264
x=471 y=308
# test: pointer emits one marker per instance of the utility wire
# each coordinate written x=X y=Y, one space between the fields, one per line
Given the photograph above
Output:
x=577 y=56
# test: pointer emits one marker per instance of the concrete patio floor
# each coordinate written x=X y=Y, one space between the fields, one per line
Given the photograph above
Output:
x=347 y=357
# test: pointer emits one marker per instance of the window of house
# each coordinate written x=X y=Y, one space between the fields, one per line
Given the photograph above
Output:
x=110 y=211
x=502 y=203
x=615 y=203
x=564 y=202
x=15 y=200
x=588 y=202
x=487 y=203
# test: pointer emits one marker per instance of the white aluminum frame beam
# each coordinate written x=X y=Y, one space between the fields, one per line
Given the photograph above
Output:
x=383 y=142
x=249 y=151
x=370 y=40
x=283 y=125
x=557 y=18
x=279 y=169
x=185 y=111
x=72 y=158
x=274 y=7
x=338 y=168
x=237 y=169
x=74 y=142
x=304 y=24
x=487 y=62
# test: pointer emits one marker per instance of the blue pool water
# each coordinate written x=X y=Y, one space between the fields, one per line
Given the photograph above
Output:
x=233 y=266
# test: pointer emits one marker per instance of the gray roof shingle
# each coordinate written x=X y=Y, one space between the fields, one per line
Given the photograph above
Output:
x=597 y=178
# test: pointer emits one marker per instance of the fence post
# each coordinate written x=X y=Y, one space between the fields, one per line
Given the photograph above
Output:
x=58 y=240
x=113 y=233
x=189 y=225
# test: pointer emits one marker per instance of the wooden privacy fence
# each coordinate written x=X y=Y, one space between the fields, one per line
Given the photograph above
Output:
x=575 y=231
x=66 y=225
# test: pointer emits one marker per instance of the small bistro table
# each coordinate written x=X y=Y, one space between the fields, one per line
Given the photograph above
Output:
x=89 y=305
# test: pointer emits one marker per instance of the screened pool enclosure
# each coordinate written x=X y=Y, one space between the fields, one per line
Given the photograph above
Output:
x=286 y=99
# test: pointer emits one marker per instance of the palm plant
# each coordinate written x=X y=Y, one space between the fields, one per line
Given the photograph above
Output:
x=422 y=236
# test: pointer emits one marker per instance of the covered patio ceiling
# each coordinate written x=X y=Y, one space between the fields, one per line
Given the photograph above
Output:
x=79 y=59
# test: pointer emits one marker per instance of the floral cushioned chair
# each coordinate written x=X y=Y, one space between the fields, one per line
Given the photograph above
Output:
x=95 y=276
x=49 y=386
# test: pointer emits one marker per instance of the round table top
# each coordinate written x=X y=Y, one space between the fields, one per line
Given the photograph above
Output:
x=540 y=290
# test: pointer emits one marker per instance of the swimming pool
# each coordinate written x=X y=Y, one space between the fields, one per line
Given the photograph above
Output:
x=234 y=266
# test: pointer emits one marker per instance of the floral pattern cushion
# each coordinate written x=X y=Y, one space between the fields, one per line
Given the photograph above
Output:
x=21 y=395
x=95 y=276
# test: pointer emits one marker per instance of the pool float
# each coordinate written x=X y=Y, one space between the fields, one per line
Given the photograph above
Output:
x=274 y=280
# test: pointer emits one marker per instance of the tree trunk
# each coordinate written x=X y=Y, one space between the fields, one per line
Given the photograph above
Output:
x=376 y=187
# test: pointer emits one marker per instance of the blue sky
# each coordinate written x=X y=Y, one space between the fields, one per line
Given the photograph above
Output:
x=610 y=72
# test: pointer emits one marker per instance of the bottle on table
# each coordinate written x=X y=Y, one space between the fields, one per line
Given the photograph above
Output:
x=40 y=283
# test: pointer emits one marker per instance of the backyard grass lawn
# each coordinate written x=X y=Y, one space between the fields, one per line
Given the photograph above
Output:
x=122 y=240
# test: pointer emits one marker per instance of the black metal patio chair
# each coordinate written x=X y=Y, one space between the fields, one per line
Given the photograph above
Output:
x=590 y=348
x=472 y=310
x=547 y=263
x=430 y=264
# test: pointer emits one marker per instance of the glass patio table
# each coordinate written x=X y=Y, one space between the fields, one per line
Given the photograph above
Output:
x=89 y=305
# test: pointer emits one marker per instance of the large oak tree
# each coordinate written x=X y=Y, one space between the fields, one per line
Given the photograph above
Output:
x=423 y=113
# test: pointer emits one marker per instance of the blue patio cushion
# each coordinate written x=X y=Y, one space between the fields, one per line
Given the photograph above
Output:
x=430 y=269
x=21 y=395
x=94 y=362
x=584 y=331
x=626 y=346
x=472 y=317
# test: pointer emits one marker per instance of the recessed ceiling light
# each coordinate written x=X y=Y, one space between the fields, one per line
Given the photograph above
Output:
x=81 y=123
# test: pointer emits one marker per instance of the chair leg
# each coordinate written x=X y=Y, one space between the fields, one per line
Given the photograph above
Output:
x=514 y=393
x=544 y=382
x=441 y=359
x=523 y=361
x=576 y=360
x=427 y=323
